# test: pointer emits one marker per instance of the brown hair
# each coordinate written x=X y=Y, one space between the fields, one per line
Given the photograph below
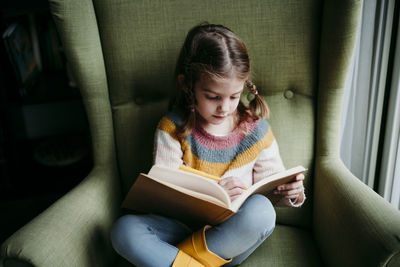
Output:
x=214 y=52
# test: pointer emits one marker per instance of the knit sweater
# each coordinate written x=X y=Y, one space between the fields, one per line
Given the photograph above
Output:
x=250 y=152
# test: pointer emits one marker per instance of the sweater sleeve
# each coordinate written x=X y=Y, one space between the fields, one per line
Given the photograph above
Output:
x=270 y=162
x=167 y=148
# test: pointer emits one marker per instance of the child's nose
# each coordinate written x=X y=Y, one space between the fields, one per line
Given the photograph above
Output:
x=224 y=105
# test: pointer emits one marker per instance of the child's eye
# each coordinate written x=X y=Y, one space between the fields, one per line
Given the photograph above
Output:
x=234 y=97
x=212 y=97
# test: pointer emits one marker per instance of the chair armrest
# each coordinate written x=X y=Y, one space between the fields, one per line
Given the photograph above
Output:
x=353 y=225
x=74 y=231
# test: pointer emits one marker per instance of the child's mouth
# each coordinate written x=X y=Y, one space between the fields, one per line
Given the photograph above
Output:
x=219 y=116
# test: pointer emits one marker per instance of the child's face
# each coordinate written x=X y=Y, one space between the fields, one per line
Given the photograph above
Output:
x=217 y=101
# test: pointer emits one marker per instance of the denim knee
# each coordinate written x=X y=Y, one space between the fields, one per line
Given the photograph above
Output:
x=123 y=231
x=145 y=240
x=259 y=213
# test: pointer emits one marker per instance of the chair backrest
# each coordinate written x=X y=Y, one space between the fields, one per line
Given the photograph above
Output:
x=124 y=52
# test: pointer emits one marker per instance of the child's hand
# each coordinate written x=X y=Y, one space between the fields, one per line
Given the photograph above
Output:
x=233 y=186
x=292 y=190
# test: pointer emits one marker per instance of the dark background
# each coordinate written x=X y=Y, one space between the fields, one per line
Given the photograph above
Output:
x=44 y=136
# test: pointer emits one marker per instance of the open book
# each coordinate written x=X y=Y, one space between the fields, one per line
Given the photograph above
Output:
x=191 y=198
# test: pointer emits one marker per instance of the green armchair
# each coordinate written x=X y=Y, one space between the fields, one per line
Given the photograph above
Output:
x=123 y=55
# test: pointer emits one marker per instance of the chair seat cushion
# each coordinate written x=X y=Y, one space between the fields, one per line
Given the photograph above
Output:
x=287 y=246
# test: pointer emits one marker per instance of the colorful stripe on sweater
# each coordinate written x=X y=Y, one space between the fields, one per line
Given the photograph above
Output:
x=218 y=154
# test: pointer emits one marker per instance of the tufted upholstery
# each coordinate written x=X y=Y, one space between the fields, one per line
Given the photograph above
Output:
x=123 y=55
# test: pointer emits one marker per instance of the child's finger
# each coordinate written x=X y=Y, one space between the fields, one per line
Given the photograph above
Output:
x=292 y=185
x=287 y=194
x=291 y=192
x=232 y=182
x=233 y=186
x=235 y=193
x=292 y=196
x=294 y=191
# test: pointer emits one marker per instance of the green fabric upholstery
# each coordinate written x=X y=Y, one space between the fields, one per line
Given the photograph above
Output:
x=143 y=51
x=123 y=55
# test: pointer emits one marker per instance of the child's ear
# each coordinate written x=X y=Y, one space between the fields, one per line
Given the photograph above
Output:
x=181 y=82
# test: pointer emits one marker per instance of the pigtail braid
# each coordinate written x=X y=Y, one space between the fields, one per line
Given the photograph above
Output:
x=191 y=117
x=258 y=107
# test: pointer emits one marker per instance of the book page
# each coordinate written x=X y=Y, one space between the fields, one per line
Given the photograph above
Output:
x=150 y=195
x=267 y=185
x=190 y=181
x=190 y=192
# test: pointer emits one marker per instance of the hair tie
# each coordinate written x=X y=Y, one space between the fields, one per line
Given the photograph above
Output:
x=252 y=88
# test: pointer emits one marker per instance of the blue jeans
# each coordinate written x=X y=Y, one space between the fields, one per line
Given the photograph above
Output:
x=149 y=240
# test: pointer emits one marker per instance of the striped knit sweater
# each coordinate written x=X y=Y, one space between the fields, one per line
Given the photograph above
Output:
x=250 y=155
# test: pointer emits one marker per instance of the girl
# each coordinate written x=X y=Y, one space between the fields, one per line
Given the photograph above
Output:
x=210 y=129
